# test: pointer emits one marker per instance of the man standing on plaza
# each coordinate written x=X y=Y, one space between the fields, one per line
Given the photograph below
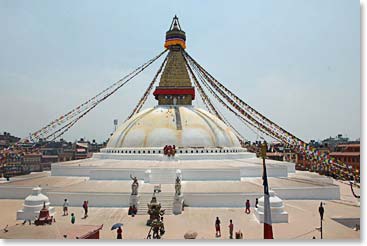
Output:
x=85 y=207
x=247 y=211
x=230 y=229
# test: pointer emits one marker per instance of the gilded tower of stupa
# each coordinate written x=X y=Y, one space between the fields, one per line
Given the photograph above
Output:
x=175 y=86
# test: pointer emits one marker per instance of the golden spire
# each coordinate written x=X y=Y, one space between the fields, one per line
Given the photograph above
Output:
x=175 y=86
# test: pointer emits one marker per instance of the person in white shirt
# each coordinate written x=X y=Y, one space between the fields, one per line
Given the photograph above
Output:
x=65 y=207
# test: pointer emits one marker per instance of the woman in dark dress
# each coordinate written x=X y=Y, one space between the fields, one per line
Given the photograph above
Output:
x=217 y=227
x=119 y=233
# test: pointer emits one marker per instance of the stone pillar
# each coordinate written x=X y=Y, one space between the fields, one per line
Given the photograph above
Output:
x=278 y=215
x=147 y=176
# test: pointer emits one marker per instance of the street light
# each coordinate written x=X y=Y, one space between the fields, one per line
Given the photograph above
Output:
x=321 y=212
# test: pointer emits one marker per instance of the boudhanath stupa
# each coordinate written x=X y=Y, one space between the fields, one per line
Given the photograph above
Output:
x=214 y=168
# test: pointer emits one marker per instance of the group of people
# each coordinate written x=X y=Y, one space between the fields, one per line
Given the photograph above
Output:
x=239 y=234
x=169 y=150
x=133 y=211
x=248 y=205
x=65 y=209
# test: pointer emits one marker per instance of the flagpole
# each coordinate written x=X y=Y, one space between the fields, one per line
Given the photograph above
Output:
x=268 y=230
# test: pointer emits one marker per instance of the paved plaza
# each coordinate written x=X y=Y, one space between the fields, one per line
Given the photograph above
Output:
x=303 y=219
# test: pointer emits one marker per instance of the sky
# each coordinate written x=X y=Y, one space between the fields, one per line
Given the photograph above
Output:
x=295 y=61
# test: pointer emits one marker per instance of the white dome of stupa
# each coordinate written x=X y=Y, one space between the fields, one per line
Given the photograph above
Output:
x=182 y=126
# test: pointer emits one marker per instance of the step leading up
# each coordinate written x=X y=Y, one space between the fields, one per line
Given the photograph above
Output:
x=163 y=176
x=164 y=198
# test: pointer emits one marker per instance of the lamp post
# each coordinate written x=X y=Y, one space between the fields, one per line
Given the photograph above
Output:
x=321 y=212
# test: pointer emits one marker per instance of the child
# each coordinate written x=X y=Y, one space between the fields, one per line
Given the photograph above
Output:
x=72 y=218
x=65 y=207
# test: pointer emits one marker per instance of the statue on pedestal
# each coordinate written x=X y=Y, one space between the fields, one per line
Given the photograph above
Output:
x=155 y=220
x=178 y=186
x=178 y=199
x=154 y=210
x=134 y=186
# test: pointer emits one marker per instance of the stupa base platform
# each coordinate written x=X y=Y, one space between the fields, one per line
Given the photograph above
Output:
x=219 y=193
x=194 y=170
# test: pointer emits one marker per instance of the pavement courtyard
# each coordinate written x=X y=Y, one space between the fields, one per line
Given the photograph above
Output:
x=339 y=221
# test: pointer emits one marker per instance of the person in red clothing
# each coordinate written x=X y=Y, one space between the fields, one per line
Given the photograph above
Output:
x=85 y=207
x=247 y=211
x=119 y=233
x=217 y=227
x=230 y=229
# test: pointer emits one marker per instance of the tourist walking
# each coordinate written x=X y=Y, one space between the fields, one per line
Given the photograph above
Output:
x=72 y=218
x=217 y=228
x=119 y=233
x=230 y=229
x=85 y=207
x=247 y=211
x=256 y=202
x=65 y=207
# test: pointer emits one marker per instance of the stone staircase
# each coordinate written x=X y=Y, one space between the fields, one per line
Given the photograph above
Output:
x=163 y=176
x=164 y=198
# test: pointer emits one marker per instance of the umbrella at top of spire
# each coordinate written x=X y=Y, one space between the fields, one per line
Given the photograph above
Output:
x=175 y=36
